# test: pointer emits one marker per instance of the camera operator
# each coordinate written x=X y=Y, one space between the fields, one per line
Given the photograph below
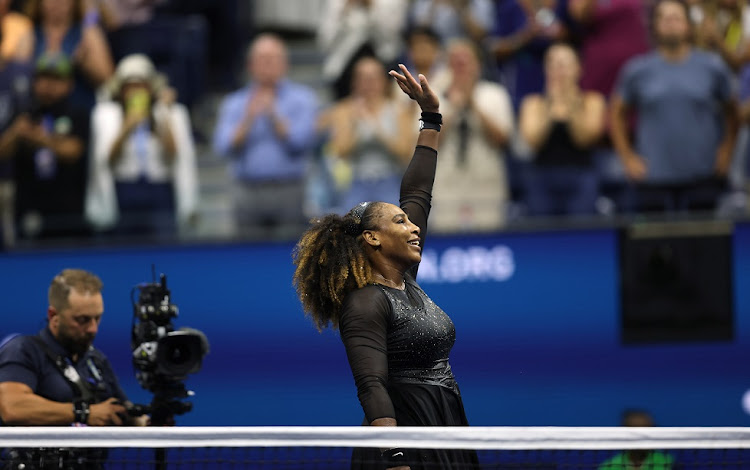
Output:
x=57 y=377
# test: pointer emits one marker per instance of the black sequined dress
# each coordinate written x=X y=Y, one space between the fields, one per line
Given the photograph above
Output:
x=398 y=343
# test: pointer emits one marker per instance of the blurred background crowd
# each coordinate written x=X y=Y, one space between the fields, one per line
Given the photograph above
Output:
x=191 y=119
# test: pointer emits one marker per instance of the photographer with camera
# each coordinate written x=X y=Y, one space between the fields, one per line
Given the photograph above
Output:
x=57 y=377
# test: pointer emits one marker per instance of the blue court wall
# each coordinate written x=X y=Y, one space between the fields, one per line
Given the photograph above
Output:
x=536 y=314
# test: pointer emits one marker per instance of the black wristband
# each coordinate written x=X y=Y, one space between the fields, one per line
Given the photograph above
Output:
x=80 y=411
x=432 y=118
x=395 y=457
x=428 y=125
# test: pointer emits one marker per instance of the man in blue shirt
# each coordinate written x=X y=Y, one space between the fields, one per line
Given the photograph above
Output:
x=687 y=120
x=267 y=130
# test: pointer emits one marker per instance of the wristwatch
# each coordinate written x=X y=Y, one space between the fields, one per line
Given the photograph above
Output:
x=80 y=411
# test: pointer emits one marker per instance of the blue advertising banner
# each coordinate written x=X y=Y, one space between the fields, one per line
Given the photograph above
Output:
x=537 y=318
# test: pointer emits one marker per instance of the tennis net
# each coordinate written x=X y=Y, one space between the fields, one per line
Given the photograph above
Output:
x=300 y=447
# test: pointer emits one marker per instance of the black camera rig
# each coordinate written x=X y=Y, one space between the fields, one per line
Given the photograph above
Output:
x=163 y=357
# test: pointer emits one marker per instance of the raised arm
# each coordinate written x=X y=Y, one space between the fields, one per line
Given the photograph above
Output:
x=425 y=97
x=416 y=185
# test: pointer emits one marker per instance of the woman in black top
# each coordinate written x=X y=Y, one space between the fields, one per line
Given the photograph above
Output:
x=562 y=127
x=357 y=273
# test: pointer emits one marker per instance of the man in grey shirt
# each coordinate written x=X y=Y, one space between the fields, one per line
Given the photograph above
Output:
x=686 y=118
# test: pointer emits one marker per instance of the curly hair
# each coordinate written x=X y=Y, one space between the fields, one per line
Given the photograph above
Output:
x=331 y=262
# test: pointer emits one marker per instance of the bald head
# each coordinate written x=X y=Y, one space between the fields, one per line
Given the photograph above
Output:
x=267 y=60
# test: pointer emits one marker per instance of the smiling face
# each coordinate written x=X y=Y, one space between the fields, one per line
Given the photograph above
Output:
x=395 y=238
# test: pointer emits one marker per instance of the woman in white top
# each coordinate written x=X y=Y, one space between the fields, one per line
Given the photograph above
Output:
x=471 y=183
x=143 y=176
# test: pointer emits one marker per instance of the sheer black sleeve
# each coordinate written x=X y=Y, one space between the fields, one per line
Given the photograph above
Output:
x=363 y=327
x=416 y=191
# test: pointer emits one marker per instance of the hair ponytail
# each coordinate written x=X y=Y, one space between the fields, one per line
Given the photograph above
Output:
x=330 y=262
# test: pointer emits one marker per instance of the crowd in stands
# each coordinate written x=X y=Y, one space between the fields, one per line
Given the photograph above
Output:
x=561 y=109
x=552 y=108
x=96 y=96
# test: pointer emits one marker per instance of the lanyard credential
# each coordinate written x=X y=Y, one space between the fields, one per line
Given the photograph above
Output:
x=81 y=389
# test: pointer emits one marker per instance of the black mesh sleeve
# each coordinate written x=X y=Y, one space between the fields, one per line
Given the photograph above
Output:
x=363 y=327
x=416 y=191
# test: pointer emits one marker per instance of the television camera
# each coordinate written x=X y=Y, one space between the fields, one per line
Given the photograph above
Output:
x=163 y=356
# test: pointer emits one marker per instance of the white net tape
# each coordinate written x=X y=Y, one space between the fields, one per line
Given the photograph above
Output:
x=498 y=438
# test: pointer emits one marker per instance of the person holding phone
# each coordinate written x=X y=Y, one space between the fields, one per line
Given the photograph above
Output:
x=143 y=174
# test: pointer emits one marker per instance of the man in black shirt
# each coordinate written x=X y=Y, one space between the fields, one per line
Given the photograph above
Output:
x=33 y=389
x=47 y=145
x=57 y=377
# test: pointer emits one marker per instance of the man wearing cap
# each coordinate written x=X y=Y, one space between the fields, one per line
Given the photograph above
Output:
x=47 y=143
